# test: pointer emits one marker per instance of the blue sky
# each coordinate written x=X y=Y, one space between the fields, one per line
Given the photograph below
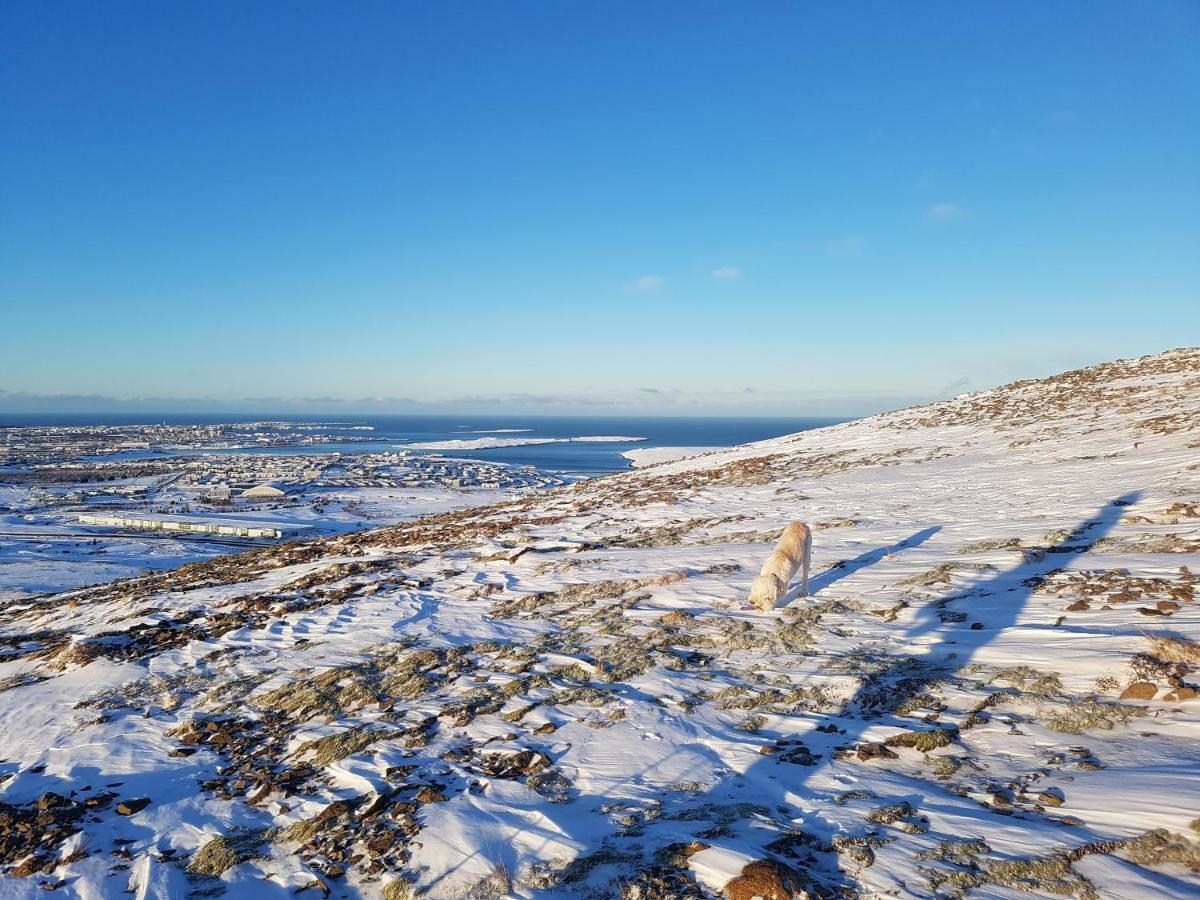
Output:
x=785 y=208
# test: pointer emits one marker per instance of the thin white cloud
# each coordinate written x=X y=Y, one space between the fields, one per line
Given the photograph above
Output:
x=649 y=282
x=726 y=272
x=945 y=211
x=847 y=246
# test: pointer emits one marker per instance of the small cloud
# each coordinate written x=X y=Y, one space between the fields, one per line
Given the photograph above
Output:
x=649 y=282
x=945 y=211
x=726 y=272
x=847 y=246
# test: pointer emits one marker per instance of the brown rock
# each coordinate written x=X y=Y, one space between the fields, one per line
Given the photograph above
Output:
x=132 y=807
x=871 y=750
x=1051 y=797
x=767 y=879
x=430 y=795
x=547 y=728
x=1150 y=611
x=32 y=865
x=1181 y=693
x=1140 y=690
x=1079 y=606
x=1167 y=605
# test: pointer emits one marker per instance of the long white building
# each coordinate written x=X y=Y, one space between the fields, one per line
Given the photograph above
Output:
x=225 y=527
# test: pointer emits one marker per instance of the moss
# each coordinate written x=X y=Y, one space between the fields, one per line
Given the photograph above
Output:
x=945 y=766
x=961 y=853
x=924 y=741
x=1091 y=715
x=223 y=852
x=1156 y=848
x=1031 y=680
x=331 y=748
x=579 y=868
x=890 y=813
x=994 y=544
x=1045 y=874
x=518 y=714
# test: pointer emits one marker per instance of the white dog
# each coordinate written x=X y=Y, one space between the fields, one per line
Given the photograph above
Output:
x=792 y=553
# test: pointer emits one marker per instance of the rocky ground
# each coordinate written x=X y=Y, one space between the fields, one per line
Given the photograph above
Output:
x=992 y=690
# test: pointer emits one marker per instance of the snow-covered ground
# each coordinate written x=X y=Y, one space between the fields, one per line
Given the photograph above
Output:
x=991 y=689
x=53 y=552
x=644 y=457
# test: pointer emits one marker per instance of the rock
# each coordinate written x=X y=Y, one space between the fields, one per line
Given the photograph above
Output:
x=1181 y=693
x=1150 y=611
x=1079 y=606
x=428 y=794
x=1167 y=605
x=513 y=765
x=873 y=750
x=767 y=879
x=51 y=800
x=547 y=728
x=32 y=865
x=1140 y=690
x=132 y=807
x=1051 y=797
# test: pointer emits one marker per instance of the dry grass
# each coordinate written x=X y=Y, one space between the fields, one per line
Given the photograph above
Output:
x=213 y=858
x=398 y=889
x=1174 y=649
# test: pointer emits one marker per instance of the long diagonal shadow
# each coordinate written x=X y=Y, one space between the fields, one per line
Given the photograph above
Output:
x=848 y=567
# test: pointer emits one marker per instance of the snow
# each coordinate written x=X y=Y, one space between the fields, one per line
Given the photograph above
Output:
x=643 y=457
x=952 y=546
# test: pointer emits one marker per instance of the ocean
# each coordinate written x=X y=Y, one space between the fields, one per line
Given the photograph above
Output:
x=392 y=432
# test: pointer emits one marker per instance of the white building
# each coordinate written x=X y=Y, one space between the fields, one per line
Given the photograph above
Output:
x=230 y=527
x=263 y=492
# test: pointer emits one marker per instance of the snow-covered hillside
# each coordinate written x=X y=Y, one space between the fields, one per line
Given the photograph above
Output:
x=991 y=690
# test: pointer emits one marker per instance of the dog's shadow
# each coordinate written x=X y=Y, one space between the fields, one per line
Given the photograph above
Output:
x=848 y=567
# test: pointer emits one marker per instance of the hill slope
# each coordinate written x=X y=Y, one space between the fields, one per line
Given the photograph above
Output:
x=568 y=695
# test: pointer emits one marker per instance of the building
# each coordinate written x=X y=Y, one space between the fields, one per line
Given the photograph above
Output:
x=263 y=492
x=147 y=521
x=219 y=492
